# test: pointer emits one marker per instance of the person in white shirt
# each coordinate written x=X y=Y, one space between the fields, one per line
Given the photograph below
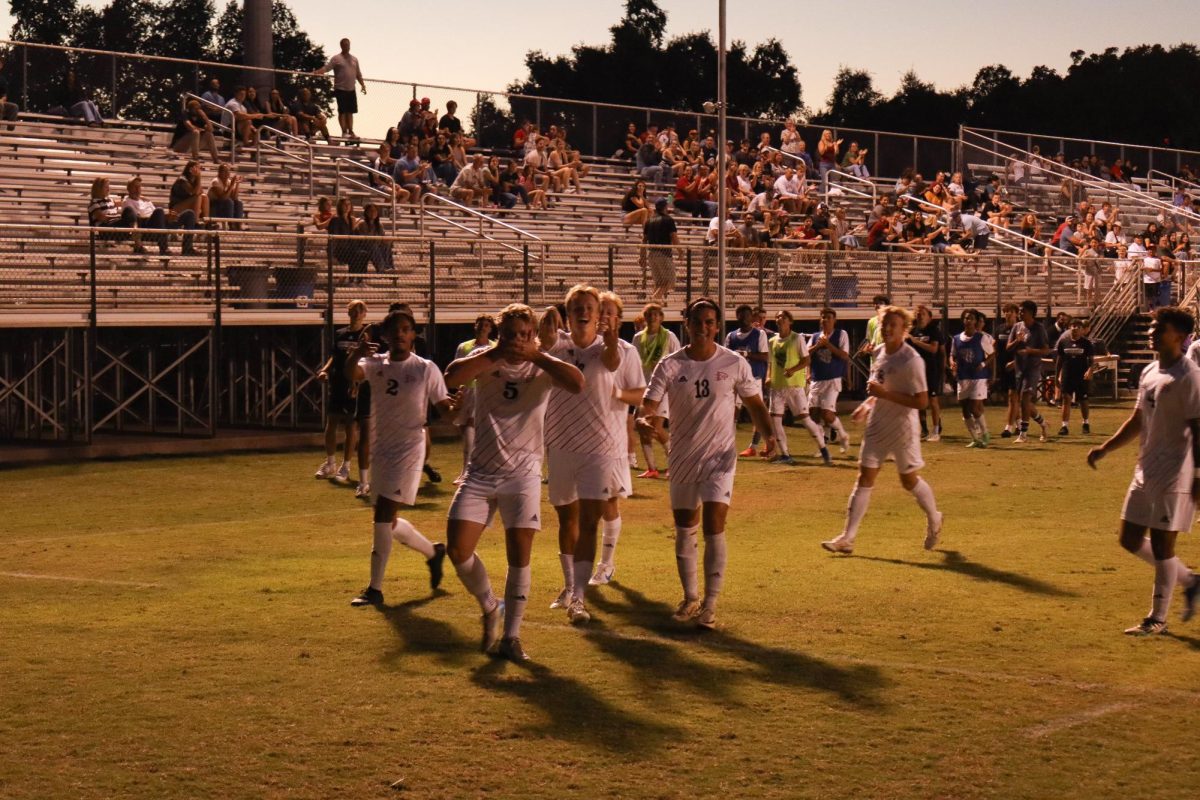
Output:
x=147 y=215
x=464 y=420
x=653 y=343
x=789 y=188
x=897 y=390
x=1161 y=500
x=345 y=72
x=512 y=387
x=585 y=440
x=700 y=382
x=237 y=117
x=403 y=386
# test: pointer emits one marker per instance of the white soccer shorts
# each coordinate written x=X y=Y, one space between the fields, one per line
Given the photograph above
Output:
x=587 y=476
x=790 y=398
x=399 y=485
x=518 y=498
x=904 y=447
x=824 y=394
x=1172 y=511
x=973 y=389
x=688 y=496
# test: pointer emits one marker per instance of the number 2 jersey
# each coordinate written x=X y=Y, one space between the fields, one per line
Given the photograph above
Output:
x=510 y=415
x=401 y=393
x=701 y=396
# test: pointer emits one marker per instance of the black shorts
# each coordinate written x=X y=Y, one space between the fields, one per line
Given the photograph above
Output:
x=362 y=408
x=1008 y=380
x=934 y=383
x=347 y=101
x=1077 y=390
x=341 y=402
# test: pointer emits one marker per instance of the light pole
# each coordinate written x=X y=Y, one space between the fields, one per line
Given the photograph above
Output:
x=722 y=163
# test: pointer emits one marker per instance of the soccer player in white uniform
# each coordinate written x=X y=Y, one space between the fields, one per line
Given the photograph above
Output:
x=829 y=354
x=630 y=388
x=786 y=377
x=403 y=386
x=464 y=420
x=653 y=343
x=1166 y=481
x=897 y=391
x=972 y=354
x=585 y=441
x=700 y=382
x=512 y=386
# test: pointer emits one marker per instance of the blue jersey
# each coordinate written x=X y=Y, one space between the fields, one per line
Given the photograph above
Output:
x=825 y=365
x=753 y=341
x=970 y=356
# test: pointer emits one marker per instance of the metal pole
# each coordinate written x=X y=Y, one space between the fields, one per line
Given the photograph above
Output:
x=595 y=132
x=113 y=102
x=89 y=356
x=611 y=259
x=214 y=343
x=25 y=104
x=722 y=192
x=525 y=274
x=431 y=332
x=688 y=288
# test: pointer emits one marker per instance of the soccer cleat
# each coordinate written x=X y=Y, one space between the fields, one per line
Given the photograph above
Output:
x=1004 y=434
x=363 y=490
x=1087 y=428
x=577 y=613
x=564 y=598
x=342 y=475
x=707 y=618
x=1064 y=431
x=652 y=474
x=765 y=452
x=826 y=459
x=933 y=532
x=787 y=461
x=1045 y=431
x=435 y=565
x=433 y=474
x=844 y=443
x=493 y=626
x=1189 y=598
x=326 y=470
x=1022 y=438
x=749 y=452
x=686 y=610
x=604 y=574
x=839 y=544
x=975 y=443
x=1148 y=627
x=510 y=648
x=987 y=439
x=934 y=437
x=368 y=597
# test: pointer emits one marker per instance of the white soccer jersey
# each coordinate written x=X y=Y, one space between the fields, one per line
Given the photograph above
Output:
x=510 y=414
x=902 y=371
x=585 y=422
x=401 y=392
x=629 y=374
x=1167 y=399
x=701 y=395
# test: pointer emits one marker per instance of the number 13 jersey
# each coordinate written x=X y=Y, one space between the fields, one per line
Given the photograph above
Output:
x=701 y=396
x=510 y=415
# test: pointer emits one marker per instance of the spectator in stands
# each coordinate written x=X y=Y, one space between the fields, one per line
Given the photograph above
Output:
x=561 y=165
x=309 y=118
x=846 y=236
x=239 y=119
x=632 y=143
x=743 y=157
x=145 y=215
x=855 y=161
x=411 y=122
x=530 y=182
x=827 y=150
x=522 y=138
x=635 y=206
x=8 y=109
x=345 y=71
x=470 y=186
x=957 y=191
x=1152 y=276
x=395 y=146
x=741 y=188
x=660 y=237
x=342 y=248
x=213 y=93
x=441 y=160
x=789 y=138
x=194 y=129
x=75 y=102
x=323 y=215
x=223 y=200
x=976 y=232
x=411 y=174
x=429 y=119
x=881 y=232
x=790 y=189
x=188 y=204
x=649 y=166
x=458 y=151
x=377 y=248
x=508 y=187
x=451 y=124
x=279 y=116
x=1114 y=239
x=103 y=211
x=1031 y=229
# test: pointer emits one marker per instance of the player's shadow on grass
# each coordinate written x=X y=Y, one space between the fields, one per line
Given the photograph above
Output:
x=857 y=684
x=954 y=561
x=1190 y=641
x=573 y=711
x=424 y=635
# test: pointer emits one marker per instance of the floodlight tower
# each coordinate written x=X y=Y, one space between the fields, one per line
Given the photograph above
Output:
x=722 y=162
x=258 y=45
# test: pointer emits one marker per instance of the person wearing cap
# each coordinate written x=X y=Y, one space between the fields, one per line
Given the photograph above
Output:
x=1114 y=239
x=660 y=236
x=1067 y=238
x=345 y=72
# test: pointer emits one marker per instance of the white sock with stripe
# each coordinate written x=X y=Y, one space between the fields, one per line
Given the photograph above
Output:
x=381 y=549
x=474 y=576
x=685 y=560
x=516 y=597
x=608 y=547
x=404 y=533
x=714 y=567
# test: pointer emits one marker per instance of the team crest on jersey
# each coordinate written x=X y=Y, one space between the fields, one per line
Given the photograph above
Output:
x=721 y=376
x=682 y=379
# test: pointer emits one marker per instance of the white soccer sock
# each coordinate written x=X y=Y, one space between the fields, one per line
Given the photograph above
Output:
x=969 y=421
x=685 y=560
x=567 y=561
x=856 y=509
x=380 y=551
x=583 y=569
x=924 y=494
x=516 y=596
x=348 y=463
x=608 y=547
x=474 y=576
x=981 y=424
x=404 y=533
x=1183 y=575
x=331 y=460
x=780 y=435
x=1164 y=586
x=714 y=567
x=648 y=452
x=843 y=437
x=364 y=474
x=815 y=430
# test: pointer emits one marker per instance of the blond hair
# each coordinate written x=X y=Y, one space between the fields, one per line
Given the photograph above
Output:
x=646 y=309
x=517 y=311
x=899 y=311
x=353 y=304
x=582 y=288
x=615 y=299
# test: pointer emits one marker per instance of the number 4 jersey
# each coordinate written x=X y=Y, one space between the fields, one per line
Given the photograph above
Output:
x=401 y=393
x=701 y=395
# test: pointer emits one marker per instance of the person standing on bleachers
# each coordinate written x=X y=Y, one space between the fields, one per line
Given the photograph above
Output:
x=345 y=72
x=8 y=110
x=193 y=130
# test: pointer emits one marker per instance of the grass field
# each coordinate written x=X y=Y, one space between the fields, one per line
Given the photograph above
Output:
x=181 y=628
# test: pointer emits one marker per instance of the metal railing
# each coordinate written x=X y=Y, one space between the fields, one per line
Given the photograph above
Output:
x=872 y=195
x=1122 y=150
x=390 y=196
x=1172 y=181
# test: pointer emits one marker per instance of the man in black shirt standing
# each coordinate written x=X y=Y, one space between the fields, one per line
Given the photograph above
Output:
x=8 y=110
x=660 y=238
x=1075 y=356
x=926 y=339
x=344 y=411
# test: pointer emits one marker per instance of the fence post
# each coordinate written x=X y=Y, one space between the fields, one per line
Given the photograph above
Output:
x=759 y=259
x=999 y=296
x=828 y=273
x=1049 y=287
x=611 y=258
x=431 y=328
x=889 y=273
x=113 y=105
x=214 y=344
x=537 y=114
x=688 y=290
x=525 y=274
x=875 y=160
x=89 y=356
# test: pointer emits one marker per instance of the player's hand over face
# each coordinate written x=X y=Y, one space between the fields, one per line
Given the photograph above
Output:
x=523 y=349
x=1097 y=453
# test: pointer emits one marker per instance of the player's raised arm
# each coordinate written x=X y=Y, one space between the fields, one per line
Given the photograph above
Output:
x=565 y=376
x=353 y=371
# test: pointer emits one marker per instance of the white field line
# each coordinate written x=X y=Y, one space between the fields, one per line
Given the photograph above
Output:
x=72 y=579
x=1080 y=718
x=176 y=526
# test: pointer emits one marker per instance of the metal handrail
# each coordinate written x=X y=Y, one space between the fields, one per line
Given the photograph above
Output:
x=873 y=195
x=216 y=122
x=375 y=189
x=303 y=142
x=1172 y=180
x=425 y=198
x=984 y=131
x=1115 y=308
x=999 y=229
